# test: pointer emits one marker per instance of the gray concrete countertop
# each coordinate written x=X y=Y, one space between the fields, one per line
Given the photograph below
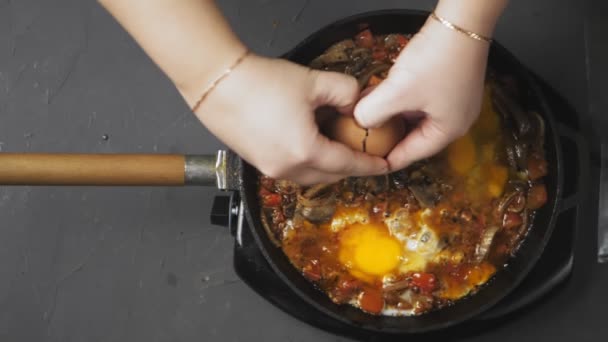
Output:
x=144 y=264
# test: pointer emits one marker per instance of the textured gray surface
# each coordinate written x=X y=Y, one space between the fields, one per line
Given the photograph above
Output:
x=90 y=264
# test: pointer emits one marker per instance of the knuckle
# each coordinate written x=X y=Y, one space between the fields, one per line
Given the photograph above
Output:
x=303 y=154
x=460 y=131
x=351 y=168
x=275 y=171
x=302 y=157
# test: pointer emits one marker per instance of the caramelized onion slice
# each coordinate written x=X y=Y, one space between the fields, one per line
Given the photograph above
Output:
x=483 y=248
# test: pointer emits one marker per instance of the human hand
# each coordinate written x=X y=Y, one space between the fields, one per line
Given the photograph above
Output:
x=436 y=84
x=264 y=110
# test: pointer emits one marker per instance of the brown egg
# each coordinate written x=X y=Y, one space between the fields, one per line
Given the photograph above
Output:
x=376 y=141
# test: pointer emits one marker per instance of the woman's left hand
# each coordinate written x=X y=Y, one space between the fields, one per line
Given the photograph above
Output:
x=436 y=84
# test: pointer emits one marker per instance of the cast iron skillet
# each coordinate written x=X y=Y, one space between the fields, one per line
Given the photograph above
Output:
x=502 y=62
x=232 y=173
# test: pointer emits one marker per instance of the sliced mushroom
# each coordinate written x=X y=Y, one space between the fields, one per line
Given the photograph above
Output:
x=512 y=110
x=483 y=248
x=337 y=54
x=286 y=187
x=427 y=194
x=317 y=204
x=361 y=59
x=268 y=228
x=516 y=238
x=504 y=203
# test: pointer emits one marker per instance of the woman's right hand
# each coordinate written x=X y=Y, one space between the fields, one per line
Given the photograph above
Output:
x=264 y=111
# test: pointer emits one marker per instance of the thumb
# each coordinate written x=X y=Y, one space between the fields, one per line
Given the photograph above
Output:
x=385 y=101
x=426 y=140
x=335 y=89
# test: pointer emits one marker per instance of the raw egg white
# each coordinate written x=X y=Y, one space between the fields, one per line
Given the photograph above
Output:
x=402 y=243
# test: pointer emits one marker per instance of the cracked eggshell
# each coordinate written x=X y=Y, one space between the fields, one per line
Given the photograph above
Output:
x=379 y=141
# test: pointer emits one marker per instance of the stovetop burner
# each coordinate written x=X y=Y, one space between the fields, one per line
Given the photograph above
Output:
x=553 y=268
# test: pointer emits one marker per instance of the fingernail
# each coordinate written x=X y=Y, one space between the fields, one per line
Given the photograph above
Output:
x=360 y=121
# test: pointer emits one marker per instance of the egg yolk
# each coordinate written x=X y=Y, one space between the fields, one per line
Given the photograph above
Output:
x=369 y=251
x=462 y=154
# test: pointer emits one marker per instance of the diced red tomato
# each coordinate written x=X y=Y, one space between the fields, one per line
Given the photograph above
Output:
x=371 y=301
x=402 y=40
x=512 y=220
x=537 y=167
x=272 y=200
x=365 y=39
x=537 y=196
x=312 y=271
x=264 y=192
x=374 y=81
x=379 y=54
x=502 y=249
x=426 y=282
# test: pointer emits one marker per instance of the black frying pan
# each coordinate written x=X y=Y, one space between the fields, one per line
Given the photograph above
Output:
x=231 y=173
x=500 y=61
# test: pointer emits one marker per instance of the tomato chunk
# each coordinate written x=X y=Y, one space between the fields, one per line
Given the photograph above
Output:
x=272 y=200
x=264 y=192
x=374 y=81
x=537 y=196
x=537 y=167
x=365 y=39
x=371 y=301
x=512 y=220
x=402 y=40
x=426 y=282
x=379 y=54
x=312 y=271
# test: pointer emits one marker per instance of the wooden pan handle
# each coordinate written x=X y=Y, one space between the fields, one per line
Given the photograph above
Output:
x=95 y=169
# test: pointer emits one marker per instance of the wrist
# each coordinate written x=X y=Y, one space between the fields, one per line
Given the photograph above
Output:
x=230 y=94
x=205 y=71
x=479 y=16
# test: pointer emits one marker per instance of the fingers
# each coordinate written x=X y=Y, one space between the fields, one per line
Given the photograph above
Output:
x=330 y=157
x=326 y=161
x=310 y=176
x=338 y=159
x=423 y=142
x=334 y=89
x=385 y=101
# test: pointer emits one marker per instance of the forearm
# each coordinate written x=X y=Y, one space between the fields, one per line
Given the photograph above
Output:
x=479 y=16
x=188 y=39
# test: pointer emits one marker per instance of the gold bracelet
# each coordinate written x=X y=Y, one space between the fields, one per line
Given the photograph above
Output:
x=460 y=29
x=218 y=80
